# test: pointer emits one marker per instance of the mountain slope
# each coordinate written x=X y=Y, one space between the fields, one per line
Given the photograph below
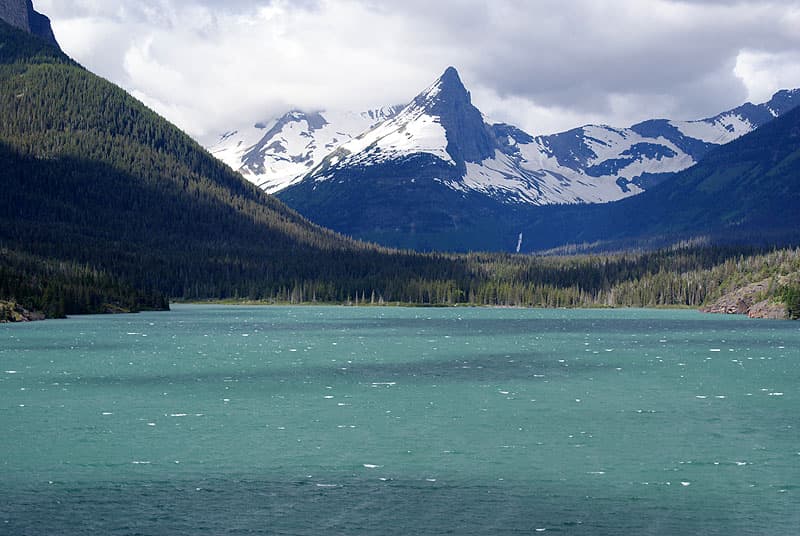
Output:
x=745 y=191
x=278 y=153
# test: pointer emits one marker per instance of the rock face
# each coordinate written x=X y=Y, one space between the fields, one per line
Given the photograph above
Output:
x=20 y=13
x=13 y=312
x=745 y=301
x=769 y=310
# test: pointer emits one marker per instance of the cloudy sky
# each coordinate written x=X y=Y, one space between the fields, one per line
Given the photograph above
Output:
x=545 y=65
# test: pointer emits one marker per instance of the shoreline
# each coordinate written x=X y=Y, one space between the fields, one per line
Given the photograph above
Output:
x=12 y=313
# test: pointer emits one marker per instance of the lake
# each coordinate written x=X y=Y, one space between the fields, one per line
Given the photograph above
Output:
x=336 y=420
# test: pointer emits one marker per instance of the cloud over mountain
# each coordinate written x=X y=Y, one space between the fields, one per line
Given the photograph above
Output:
x=549 y=64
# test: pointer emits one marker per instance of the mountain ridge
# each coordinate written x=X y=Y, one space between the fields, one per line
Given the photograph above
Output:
x=403 y=184
x=588 y=164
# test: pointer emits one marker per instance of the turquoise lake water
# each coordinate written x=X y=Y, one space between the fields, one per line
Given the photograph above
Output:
x=334 y=420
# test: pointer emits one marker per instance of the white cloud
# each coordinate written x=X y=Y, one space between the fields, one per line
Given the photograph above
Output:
x=762 y=72
x=547 y=65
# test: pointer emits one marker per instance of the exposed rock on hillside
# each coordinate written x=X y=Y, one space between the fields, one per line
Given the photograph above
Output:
x=768 y=309
x=13 y=312
x=20 y=13
x=750 y=300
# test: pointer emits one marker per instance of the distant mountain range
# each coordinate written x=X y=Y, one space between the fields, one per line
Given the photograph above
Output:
x=436 y=174
x=590 y=164
x=747 y=191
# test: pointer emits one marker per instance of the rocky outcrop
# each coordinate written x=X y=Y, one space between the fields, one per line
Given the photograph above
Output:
x=15 y=12
x=13 y=312
x=768 y=309
x=20 y=13
x=749 y=300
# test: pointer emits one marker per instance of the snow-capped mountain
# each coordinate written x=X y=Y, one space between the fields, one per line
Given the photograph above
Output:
x=591 y=164
x=275 y=154
x=437 y=174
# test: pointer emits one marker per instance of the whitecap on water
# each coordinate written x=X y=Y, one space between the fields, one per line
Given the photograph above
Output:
x=372 y=466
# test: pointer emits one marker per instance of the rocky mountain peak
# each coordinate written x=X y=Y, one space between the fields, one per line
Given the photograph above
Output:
x=20 y=13
x=783 y=101
x=469 y=139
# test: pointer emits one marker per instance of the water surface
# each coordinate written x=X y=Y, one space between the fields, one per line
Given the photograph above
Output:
x=238 y=420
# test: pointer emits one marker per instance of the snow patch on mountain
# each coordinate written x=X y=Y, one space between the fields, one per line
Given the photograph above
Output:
x=413 y=130
x=719 y=130
x=277 y=153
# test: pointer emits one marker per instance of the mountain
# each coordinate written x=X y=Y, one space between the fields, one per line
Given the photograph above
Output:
x=746 y=191
x=20 y=14
x=437 y=175
x=647 y=153
x=276 y=154
x=590 y=164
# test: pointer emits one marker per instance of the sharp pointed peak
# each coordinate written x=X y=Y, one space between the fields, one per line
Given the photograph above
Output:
x=448 y=84
x=450 y=79
x=451 y=73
